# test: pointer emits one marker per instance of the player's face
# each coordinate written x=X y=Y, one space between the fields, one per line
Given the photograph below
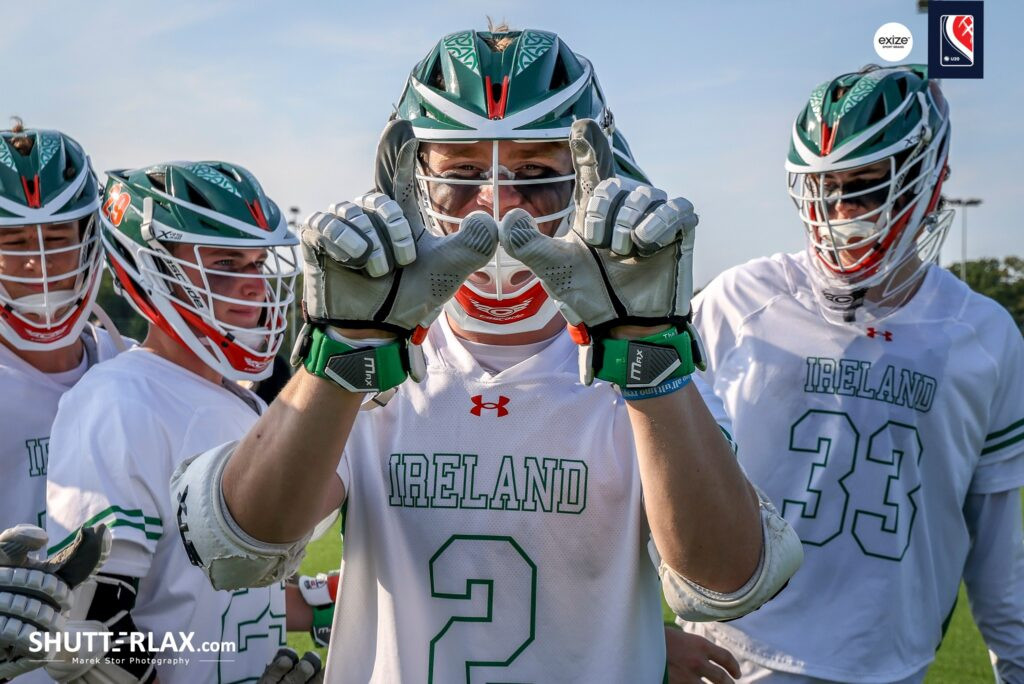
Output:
x=33 y=258
x=234 y=276
x=476 y=184
x=856 y=194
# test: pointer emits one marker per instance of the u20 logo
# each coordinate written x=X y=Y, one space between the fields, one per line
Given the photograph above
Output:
x=956 y=44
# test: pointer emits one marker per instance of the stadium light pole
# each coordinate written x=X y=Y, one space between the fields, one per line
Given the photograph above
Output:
x=963 y=203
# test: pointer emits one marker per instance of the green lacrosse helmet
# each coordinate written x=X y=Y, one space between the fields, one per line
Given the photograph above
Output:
x=504 y=87
x=511 y=85
x=204 y=205
x=46 y=183
x=892 y=124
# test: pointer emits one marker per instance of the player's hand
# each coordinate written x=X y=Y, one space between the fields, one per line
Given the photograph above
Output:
x=288 y=668
x=628 y=258
x=35 y=595
x=693 y=659
x=372 y=265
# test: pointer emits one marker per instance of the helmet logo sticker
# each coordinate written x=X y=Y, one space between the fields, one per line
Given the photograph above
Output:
x=116 y=204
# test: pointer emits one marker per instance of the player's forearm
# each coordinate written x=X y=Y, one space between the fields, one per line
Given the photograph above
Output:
x=299 y=614
x=702 y=511
x=278 y=480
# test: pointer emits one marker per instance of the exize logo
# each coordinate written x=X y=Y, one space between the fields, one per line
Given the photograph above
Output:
x=956 y=46
x=636 y=367
x=479 y=405
x=893 y=42
x=369 y=371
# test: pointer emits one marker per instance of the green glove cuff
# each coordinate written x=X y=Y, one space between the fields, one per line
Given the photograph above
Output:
x=366 y=369
x=323 y=618
x=647 y=362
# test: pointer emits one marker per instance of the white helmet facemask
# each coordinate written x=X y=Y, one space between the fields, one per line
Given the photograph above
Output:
x=61 y=287
x=504 y=296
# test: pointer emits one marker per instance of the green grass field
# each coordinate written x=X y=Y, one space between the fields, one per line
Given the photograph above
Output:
x=962 y=659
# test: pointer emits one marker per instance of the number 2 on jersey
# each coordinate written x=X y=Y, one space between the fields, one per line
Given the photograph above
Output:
x=878 y=484
x=494 y=612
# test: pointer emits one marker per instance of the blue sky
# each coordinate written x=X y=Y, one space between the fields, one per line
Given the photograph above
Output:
x=298 y=92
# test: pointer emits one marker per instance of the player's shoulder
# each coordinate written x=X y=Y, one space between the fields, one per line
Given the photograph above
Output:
x=748 y=287
x=124 y=384
x=951 y=296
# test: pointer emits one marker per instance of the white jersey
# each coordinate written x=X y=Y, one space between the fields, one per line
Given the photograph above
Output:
x=494 y=531
x=868 y=438
x=28 y=403
x=117 y=438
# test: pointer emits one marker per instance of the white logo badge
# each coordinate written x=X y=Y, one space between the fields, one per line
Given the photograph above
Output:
x=893 y=42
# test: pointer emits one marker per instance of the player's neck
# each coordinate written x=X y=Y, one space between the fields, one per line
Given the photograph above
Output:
x=164 y=346
x=51 y=360
x=554 y=326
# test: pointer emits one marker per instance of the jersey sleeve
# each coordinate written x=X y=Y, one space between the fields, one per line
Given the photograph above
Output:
x=1001 y=464
x=105 y=467
x=994 y=575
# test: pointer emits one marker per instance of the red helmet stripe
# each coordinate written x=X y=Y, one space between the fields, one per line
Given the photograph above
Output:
x=32 y=196
x=496 y=108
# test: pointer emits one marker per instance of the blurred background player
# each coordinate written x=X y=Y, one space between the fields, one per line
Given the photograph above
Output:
x=877 y=400
x=206 y=257
x=497 y=513
x=50 y=269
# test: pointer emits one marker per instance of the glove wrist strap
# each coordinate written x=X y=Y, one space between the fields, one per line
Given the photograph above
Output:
x=648 y=361
x=365 y=369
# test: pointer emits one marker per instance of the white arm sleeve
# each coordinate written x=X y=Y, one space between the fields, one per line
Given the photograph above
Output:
x=213 y=540
x=994 y=574
x=781 y=556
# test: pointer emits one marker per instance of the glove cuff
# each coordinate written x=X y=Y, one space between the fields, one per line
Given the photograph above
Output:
x=365 y=369
x=648 y=361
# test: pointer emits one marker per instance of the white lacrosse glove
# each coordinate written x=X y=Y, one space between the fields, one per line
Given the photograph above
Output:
x=36 y=596
x=628 y=260
x=372 y=264
x=288 y=668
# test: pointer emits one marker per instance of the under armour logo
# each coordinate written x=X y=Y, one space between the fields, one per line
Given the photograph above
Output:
x=479 y=405
x=884 y=333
